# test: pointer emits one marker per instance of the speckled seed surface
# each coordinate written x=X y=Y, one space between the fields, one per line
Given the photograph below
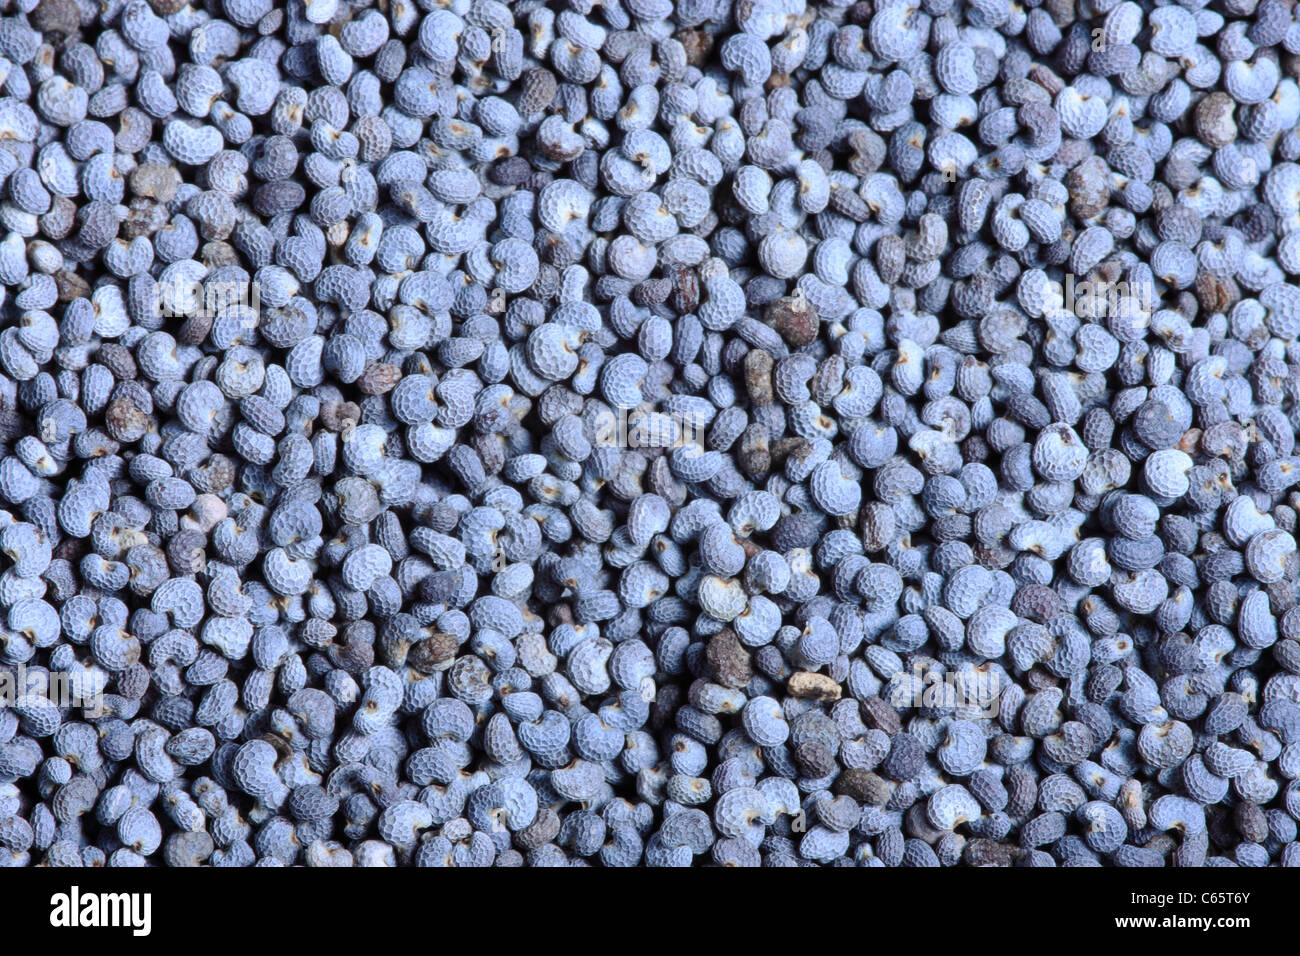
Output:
x=649 y=433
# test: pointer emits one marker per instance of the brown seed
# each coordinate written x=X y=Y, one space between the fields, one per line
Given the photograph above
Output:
x=214 y=476
x=1215 y=293
x=144 y=217
x=686 y=290
x=878 y=526
x=698 y=45
x=1040 y=679
x=729 y=661
x=217 y=254
x=125 y=422
x=1089 y=186
x=56 y=17
x=379 y=378
x=794 y=447
x=156 y=181
x=994 y=557
x=71 y=286
x=334 y=416
x=783 y=448
x=1251 y=822
x=795 y=319
x=863 y=786
x=754 y=459
x=758 y=377
x=356 y=656
x=828 y=381
x=1213 y=120
x=878 y=714
x=807 y=685
x=1191 y=438
x=560 y=615
x=1108 y=273
x=434 y=653
x=982 y=852
x=544 y=829
x=117 y=359
x=491 y=449
x=1041 y=74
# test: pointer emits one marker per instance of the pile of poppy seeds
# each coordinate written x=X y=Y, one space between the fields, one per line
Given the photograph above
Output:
x=649 y=433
